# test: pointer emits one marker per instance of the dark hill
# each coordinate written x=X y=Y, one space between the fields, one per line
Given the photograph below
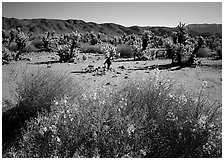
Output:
x=39 y=26
x=205 y=29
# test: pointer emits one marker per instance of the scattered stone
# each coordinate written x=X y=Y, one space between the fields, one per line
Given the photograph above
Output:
x=91 y=66
x=118 y=72
x=121 y=67
x=84 y=57
x=4 y=62
x=29 y=59
x=114 y=76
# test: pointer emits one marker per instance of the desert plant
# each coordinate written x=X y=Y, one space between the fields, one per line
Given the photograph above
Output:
x=36 y=92
x=219 y=52
x=142 y=119
x=7 y=55
x=125 y=51
x=37 y=43
x=30 y=48
x=109 y=51
x=86 y=48
x=67 y=53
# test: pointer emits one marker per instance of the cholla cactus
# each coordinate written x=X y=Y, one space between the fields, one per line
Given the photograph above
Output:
x=109 y=51
x=65 y=53
x=182 y=33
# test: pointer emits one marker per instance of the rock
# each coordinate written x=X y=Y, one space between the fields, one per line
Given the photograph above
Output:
x=84 y=57
x=108 y=83
x=29 y=59
x=137 y=62
x=118 y=72
x=114 y=76
x=91 y=66
x=5 y=62
x=121 y=67
x=49 y=66
x=126 y=77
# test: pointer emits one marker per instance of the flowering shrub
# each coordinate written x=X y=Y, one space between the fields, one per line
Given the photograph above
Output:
x=35 y=93
x=142 y=119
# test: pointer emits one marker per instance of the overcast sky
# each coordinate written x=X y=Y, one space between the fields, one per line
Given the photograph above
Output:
x=123 y=13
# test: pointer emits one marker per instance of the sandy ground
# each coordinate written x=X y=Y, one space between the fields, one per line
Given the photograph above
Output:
x=123 y=70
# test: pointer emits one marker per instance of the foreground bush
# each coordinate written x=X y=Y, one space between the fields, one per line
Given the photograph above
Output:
x=144 y=119
x=35 y=93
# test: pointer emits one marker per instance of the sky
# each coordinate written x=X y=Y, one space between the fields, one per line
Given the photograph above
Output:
x=124 y=13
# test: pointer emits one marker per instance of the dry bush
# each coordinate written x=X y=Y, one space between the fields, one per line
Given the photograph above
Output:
x=35 y=92
x=142 y=119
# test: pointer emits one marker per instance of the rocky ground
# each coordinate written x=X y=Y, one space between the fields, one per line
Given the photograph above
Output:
x=90 y=74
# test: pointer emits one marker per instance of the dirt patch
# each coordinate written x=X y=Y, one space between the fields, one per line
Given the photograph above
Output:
x=123 y=70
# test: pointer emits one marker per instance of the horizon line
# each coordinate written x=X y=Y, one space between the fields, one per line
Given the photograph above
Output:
x=104 y=22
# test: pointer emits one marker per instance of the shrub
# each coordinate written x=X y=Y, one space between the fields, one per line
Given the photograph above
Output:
x=37 y=43
x=30 y=48
x=142 y=119
x=202 y=52
x=86 y=48
x=125 y=51
x=36 y=92
x=7 y=55
x=219 y=52
x=13 y=47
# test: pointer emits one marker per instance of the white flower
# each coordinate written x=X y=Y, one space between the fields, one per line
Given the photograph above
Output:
x=58 y=139
x=171 y=95
x=202 y=120
x=183 y=98
x=205 y=84
x=131 y=129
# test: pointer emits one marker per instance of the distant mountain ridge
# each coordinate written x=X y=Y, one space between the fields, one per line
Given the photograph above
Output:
x=40 y=25
x=205 y=29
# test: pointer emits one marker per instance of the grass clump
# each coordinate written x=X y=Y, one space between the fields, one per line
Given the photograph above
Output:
x=141 y=119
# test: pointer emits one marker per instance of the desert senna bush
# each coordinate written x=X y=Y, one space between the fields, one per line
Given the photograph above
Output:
x=40 y=86
x=138 y=119
x=35 y=92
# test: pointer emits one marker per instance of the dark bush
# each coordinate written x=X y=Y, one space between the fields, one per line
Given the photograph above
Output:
x=125 y=51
